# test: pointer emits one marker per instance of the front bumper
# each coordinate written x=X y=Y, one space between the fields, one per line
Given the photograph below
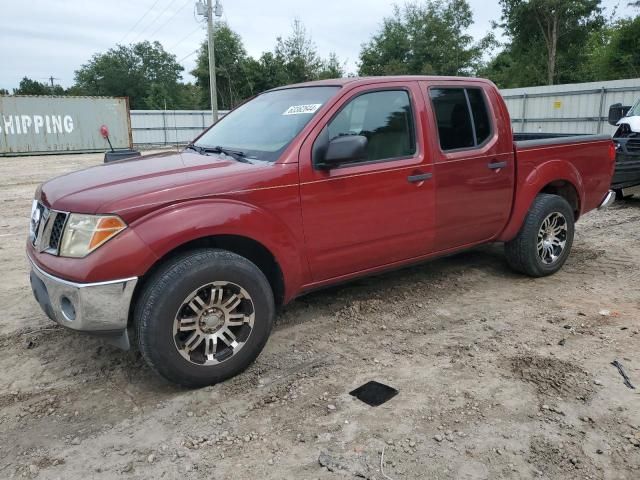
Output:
x=608 y=199
x=99 y=308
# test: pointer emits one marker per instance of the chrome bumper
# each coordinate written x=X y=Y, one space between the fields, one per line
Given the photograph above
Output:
x=608 y=199
x=101 y=308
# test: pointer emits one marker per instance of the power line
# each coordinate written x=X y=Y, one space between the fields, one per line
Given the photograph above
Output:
x=189 y=35
x=171 y=17
x=153 y=21
x=139 y=20
x=187 y=56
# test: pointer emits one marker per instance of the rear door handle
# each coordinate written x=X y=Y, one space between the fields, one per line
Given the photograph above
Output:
x=421 y=177
x=497 y=165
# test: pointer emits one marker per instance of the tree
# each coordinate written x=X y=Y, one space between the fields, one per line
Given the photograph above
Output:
x=547 y=40
x=144 y=72
x=616 y=51
x=331 y=68
x=298 y=55
x=267 y=72
x=239 y=76
x=425 y=38
x=28 y=86
x=4 y=91
x=231 y=57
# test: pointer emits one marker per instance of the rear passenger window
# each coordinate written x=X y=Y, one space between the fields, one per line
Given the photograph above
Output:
x=459 y=127
x=384 y=117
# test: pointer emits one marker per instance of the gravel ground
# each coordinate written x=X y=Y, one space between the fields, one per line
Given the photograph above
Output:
x=499 y=375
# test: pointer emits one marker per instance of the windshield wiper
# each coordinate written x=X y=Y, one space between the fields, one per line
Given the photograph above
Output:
x=235 y=154
x=195 y=147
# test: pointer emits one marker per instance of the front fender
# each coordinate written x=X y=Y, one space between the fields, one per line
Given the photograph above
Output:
x=176 y=225
x=530 y=186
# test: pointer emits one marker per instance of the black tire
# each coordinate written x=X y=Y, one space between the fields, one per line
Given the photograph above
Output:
x=162 y=297
x=522 y=252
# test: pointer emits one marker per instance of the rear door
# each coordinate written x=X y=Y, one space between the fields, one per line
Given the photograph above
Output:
x=380 y=210
x=473 y=164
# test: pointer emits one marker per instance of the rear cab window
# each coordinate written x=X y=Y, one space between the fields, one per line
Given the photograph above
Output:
x=462 y=117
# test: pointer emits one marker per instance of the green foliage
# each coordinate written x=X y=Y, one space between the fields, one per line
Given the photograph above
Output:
x=616 y=51
x=429 y=38
x=28 y=86
x=298 y=55
x=547 y=41
x=144 y=72
x=239 y=76
x=331 y=68
x=265 y=73
x=230 y=58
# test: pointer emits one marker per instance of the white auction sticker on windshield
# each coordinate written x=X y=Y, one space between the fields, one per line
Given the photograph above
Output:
x=302 y=109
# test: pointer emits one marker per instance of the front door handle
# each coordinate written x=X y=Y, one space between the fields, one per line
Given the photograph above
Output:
x=421 y=177
x=496 y=165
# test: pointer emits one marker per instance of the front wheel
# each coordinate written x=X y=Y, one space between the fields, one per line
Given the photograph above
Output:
x=545 y=239
x=204 y=317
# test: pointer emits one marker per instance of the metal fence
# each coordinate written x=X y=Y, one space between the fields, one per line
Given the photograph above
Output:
x=168 y=127
x=571 y=108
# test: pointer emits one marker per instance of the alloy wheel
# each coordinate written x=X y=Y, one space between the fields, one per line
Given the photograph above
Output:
x=213 y=323
x=552 y=238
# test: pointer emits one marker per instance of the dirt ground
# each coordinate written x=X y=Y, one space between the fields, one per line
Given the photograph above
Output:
x=499 y=375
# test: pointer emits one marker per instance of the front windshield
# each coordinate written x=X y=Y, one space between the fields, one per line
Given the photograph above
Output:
x=635 y=110
x=263 y=127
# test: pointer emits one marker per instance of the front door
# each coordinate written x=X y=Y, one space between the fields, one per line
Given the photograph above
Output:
x=379 y=210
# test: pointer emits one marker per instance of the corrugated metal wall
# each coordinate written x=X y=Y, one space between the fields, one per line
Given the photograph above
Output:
x=571 y=108
x=169 y=127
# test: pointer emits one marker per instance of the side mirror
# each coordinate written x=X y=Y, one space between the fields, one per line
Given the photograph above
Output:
x=348 y=148
x=616 y=112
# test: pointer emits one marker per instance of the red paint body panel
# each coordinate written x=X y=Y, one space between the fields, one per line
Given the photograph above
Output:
x=365 y=215
x=326 y=226
x=583 y=165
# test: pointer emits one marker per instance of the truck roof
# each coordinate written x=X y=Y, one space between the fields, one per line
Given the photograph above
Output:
x=356 y=81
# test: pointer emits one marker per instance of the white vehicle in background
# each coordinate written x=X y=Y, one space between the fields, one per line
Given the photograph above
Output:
x=627 y=141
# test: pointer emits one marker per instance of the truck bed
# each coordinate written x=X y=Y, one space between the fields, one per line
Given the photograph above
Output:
x=587 y=156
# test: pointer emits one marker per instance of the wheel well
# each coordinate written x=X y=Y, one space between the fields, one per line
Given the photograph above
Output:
x=243 y=246
x=567 y=191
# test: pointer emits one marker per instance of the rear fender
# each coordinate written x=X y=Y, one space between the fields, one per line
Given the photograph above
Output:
x=528 y=188
x=171 y=227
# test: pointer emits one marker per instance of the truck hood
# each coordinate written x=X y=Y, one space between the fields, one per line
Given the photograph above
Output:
x=633 y=122
x=131 y=187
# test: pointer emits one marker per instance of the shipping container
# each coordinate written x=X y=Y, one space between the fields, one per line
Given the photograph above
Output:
x=32 y=125
x=570 y=108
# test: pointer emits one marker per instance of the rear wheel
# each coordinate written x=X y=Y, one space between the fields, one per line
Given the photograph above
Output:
x=545 y=239
x=204 y=317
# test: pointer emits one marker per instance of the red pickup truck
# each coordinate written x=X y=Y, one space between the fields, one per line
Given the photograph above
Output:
x=189 y=254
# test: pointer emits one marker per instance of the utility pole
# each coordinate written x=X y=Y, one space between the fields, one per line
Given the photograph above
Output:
x=51 y=79
x=211 y=10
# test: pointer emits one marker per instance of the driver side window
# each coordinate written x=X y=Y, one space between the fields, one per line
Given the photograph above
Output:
x=384 y=117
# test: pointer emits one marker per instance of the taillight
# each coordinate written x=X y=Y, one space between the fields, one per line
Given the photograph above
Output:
x=612 y=152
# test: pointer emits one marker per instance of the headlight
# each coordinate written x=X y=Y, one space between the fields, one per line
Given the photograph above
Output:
x=84 y=233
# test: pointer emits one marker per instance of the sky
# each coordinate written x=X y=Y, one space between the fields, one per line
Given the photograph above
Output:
x=40 y=39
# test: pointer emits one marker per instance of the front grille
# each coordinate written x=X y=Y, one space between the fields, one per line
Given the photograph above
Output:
x=47 y=227
x=633 y=145
x=56 y=231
